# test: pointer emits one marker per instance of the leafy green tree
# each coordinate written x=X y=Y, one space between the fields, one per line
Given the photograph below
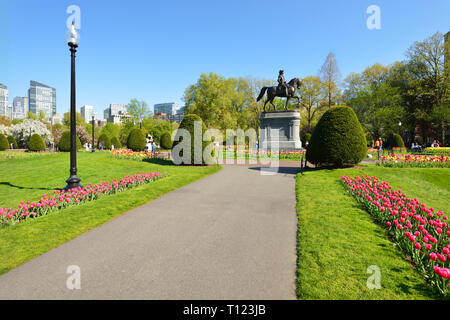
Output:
x=31 y=115
x=80 y=121
x=111 y=130
x=313 y=99
x=138 y=110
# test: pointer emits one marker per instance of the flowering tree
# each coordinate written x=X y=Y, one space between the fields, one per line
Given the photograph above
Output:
x=22 y=131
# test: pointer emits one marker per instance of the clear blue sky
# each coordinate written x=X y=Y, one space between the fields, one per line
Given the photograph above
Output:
x=152 y=50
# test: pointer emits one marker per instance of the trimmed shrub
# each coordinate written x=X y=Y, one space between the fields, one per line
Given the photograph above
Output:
x=106 y=140
x=4 y=144
x=196 y=154
x=305 y=138
x=36 y=143
x=64 y=142
x=395 y=141
x=136 y=140
x=166 y=140
x=116 y=143
x=13 y=141
x=338 y=139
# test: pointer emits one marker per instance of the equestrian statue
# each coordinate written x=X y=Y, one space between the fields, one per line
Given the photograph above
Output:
x=283 y=90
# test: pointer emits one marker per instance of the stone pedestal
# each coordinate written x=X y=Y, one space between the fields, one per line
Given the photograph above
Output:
x=280 y=129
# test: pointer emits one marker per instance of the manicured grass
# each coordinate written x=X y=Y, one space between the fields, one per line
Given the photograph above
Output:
x=28 y=178
x=338 y=240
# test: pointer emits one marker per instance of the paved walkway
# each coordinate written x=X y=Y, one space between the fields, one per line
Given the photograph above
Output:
x=231 y=235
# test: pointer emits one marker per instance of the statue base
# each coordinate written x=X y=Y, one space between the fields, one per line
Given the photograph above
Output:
x=280 y=130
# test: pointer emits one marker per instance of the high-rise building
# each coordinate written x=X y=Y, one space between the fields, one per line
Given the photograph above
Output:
x=42 y=98
x=3 y=100
x=87 y=112
x=115 y=113
x=169 y=108
x=20 y=107
x=9 y=111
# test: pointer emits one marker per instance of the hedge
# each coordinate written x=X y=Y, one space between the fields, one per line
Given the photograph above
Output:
x=36 y=143
x=338 y=139
x=136 y=140
x=64 y=142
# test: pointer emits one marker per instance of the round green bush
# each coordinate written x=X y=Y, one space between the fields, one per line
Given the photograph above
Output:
x=116 y=143
x=106 y=140
x=196 y=155
x=166 y=140
x=13 y=141
x=338 y=139
x=64 y=142
x=36 y=143
x=136 y=140
x=395 y=141
x=4 y=144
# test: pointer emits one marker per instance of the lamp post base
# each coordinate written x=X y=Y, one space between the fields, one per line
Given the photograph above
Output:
x=72 y=182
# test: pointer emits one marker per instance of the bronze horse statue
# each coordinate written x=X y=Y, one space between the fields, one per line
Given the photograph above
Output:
x=278 y=91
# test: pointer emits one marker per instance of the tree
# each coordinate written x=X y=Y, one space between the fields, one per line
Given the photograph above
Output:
x=217 y=100
x=80 y=121
x=5 y=121
x=41 y=116
x=377 y=104
x=330 y=76
x=313 y=96
x=31 y=115
x=138 y=110
x=111 y=130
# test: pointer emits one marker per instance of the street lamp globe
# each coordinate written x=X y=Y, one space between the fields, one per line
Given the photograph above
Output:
x=72 y=36
x=399 y=123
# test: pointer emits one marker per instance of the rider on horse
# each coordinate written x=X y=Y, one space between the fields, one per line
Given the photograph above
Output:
x=282 y=82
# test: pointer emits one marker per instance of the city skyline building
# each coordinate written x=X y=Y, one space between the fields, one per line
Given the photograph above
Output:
x=20 y=107
x=87 y=112
x=115 y=113
x=169 y=108
x=3 y=100
x=42 y=98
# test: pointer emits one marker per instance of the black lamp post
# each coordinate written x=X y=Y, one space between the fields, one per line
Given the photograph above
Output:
x=73 y=38
x=93 y=127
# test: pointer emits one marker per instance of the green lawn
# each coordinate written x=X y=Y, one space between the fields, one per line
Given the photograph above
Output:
x=338 y=240
x=27 y=178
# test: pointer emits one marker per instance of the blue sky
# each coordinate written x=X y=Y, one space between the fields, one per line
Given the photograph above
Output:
x=153 y=50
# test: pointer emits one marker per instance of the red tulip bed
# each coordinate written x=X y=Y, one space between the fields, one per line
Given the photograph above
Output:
x=421 y=232
x=62 y=199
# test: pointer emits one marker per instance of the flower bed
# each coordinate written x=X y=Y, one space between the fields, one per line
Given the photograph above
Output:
x=421 y=232
x=133 y=155
x=62 y=199
x=416 y=161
